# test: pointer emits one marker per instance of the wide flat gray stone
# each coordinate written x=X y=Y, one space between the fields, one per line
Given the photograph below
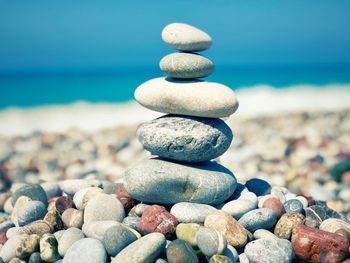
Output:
x=165 y=182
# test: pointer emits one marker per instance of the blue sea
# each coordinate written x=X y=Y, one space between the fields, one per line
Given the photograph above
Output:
x=38 y=89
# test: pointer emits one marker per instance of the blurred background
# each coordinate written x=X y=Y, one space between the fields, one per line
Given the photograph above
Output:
x=68 y=70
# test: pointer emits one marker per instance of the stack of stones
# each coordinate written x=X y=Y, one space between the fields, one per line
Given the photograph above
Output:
x=191 y=134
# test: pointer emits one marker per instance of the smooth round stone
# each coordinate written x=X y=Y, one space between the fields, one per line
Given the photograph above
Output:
x=258 y=186
x=166 y=182
x=243 y=258
x=187 y=97
x=263 y=233
x=335 y=225
x=116 y=238
x=237 y=208
x=34 y=191
x=72 y=186
x=231 y=253
x=104 y=207
x=249 y=196
x=189 y=139
x=269 y=250
x=233 y=231
x=303 y=200
x=97 y=229
x=72 y=218
x=82 y=196
x=87 y=250
x=8 y=250
x=179 y=251
x=293 y=206
x=186 y=66
x=314 y=215
x=185 y=37
x=35 y=258
x=30 y=212
x=191 y=213
x=69 y=237
x=263 y=218
x=59 y=234
x=275 y=205
x=286 y=224
x=211 y=241
x=188 y=232
x=220 y=259
x=145 y=249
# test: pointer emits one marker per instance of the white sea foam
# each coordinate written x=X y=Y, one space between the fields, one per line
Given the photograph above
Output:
x=259 y=100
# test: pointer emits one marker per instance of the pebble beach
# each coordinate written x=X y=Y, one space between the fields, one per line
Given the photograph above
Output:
x=194 y=185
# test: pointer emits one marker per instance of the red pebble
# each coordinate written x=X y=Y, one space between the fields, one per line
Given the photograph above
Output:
x=156 y=219
x=275 y=205
x=3 y=237
x=124 y=197
x=315 y=245
x=60 y=204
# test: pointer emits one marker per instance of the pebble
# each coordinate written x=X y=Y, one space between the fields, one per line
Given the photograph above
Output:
x=262 y=218
x=275 y=205
x=187 y=97
x=185 y=37
x=211 y=241
x=39 y=227
x=145 y=249
x=246 y=195
x=287 y=223
x=54 y=220
x=34 y=191
x=294 y=206
x=124 y=197
x=61 y=204
x=242 y=258
x=87 y=250
x=237 y=208
x=335 y=225
x=8 y=207
x=132 y=221
x=27 y=245
x=191 y=213
x=179 y=251
x=31 y=211
x=116 y=238
x=69 y=237
x=8 y=251
x=263 y=233
x=104 y=207
x=258 y=186
x=314 y=245
x=97 y=229
x=51 y=189
x=314 y=215
x=220 y=259
x=48 y=248
x=233 y=231
x=72 y=186
x=188 y=139
x=303 y=200
x=269 y=250
x=188 y=232
x=35 y=258
x=59 y=234
x=186 y=66
x=72 y=218
x=169 y=183
x=231 y=253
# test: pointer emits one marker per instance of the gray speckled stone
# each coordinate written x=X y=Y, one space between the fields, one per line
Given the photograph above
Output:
x=185 y=37
x=30 y=212
x=166 y=182
x=181 y=138
x=117 y=238
x=263 y=218
x=104 y=207
x=190 y=212
x=269 y=250
x=144 y=250
x=186 y=66
x=187 y=97
x=87 y=250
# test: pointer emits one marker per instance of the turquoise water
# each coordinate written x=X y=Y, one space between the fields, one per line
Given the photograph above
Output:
x=36 y=90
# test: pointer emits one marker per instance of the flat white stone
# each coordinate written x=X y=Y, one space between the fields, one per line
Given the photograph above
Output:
x=187 y=97
x=185 y=37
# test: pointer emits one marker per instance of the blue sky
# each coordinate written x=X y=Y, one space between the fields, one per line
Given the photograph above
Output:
x=92 y=35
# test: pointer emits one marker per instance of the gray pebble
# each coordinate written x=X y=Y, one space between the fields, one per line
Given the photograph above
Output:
x=211 y=241
x=69 y=237
x=263 y=218
x=87 y=250
x=30 y=212
x=190 y=212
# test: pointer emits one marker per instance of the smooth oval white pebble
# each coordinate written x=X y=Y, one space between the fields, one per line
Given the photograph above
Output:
x=185 y=37
x=187 y=97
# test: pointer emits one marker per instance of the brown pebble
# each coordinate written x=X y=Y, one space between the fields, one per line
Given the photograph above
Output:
x=124 y=197
x=27 y=245
x=275 y=205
